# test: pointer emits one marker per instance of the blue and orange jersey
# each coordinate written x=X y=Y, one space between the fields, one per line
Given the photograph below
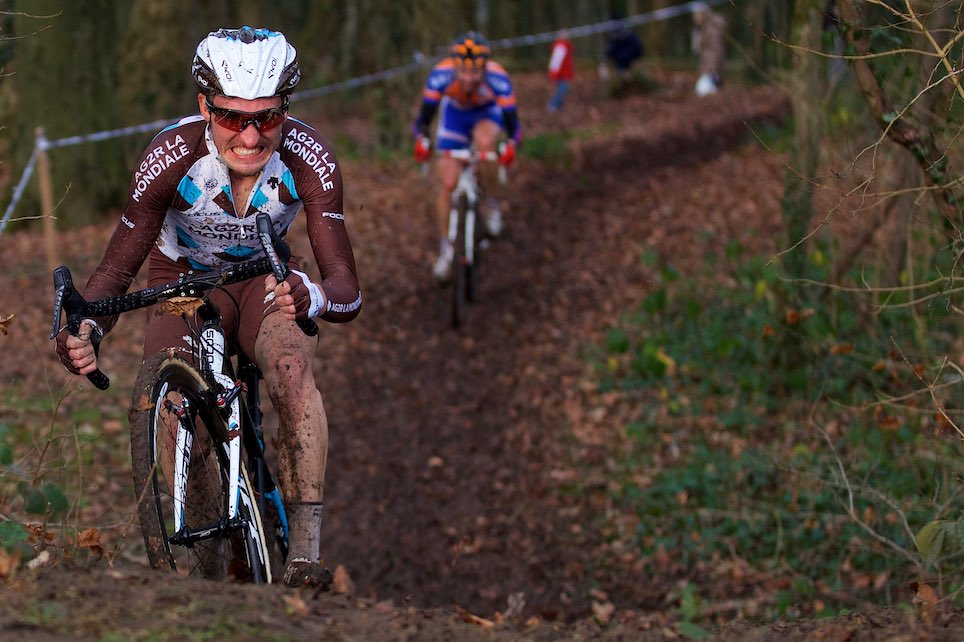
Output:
x=496 y=87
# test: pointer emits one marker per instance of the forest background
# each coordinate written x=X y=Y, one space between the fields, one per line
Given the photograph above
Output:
x=137 y=74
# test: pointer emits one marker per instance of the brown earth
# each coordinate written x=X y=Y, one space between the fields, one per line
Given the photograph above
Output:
x=446 y=504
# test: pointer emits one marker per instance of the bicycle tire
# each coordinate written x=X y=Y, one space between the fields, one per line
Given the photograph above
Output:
x=241 y=555
x=472 y=268
x=458 y=269
x=472 y=275
x=274 y=522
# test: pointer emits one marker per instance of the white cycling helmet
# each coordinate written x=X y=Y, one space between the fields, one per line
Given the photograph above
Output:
x=245 y=63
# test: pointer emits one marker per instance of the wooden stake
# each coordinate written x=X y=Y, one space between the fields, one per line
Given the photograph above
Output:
x=46 y=200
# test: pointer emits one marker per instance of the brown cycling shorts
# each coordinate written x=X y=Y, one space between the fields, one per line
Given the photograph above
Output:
x=241 y=304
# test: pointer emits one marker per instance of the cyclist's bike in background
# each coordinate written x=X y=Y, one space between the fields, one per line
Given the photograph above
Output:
x=207 y=502
x=463 y=232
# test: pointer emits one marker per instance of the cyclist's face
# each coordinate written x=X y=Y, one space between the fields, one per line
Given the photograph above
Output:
x=469 y=77
x=245 y=152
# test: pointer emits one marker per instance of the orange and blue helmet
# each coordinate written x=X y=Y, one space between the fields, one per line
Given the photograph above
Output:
x=470 y=50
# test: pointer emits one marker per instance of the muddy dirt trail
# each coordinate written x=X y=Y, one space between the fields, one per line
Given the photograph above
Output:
x=449 y=449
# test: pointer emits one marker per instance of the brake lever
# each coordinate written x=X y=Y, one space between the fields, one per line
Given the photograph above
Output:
x=266 y=235
x=62 y=282
x=68 y=299
x=269 y=241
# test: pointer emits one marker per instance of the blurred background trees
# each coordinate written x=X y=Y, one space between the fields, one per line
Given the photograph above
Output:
x=103 y=64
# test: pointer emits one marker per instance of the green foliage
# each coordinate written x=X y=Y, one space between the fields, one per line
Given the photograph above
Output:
x=45 y=450
x=549 y=147
x=70 y=92
x=778 y=496
x=45 y=500
x=692 y=631
x=939 y=538
x=731 y=341
x=6 y=447
x=13 y=537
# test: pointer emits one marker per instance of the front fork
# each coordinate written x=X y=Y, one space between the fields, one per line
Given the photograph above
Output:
x=210 y=357
x=471 y=207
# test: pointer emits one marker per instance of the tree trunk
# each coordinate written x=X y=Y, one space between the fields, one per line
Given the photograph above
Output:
x=797 y=204
x=756 y=13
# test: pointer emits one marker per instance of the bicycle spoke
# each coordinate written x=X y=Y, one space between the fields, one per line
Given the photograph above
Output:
x=184 y=511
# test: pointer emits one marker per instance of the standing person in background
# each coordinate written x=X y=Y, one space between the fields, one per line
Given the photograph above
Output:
x=560 y=69
x=709 y=30
x=623 y=48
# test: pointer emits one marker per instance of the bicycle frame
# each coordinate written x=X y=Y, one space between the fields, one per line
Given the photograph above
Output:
x=213 y=362
x=214 y=365
x=468 y=186
x=253 y=436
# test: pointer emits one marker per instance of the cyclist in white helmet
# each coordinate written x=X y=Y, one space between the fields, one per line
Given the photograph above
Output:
x=192 y=206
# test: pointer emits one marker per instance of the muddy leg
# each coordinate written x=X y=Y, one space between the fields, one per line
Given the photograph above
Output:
x=284 y=356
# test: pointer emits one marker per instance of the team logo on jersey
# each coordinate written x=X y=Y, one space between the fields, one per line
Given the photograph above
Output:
x=236 y=254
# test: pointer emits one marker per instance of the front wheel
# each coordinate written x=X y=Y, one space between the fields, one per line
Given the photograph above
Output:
x=459 y=270
x=180 y=469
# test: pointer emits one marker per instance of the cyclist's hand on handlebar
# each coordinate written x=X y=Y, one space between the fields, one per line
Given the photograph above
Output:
x=423 y=149
x=77 y=352
x=507 y=153
x=297 y=297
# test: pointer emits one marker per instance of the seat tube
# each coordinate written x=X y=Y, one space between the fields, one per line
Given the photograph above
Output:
x=212 y=348
x=470 y=210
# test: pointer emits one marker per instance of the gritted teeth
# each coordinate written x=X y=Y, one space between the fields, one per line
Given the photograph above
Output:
x=244 y=151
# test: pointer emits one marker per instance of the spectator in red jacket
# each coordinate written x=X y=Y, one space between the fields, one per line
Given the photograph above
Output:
x=560 y=70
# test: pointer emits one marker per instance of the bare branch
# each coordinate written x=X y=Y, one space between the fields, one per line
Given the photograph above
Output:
x=899 y=126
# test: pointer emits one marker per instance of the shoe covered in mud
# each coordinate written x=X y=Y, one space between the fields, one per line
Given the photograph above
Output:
x=300 y=573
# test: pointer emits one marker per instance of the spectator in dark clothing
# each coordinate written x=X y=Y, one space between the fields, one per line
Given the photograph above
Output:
x=623 y=48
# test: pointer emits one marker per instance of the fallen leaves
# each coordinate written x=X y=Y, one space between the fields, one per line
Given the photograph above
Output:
x=5 y=323
x=341 y=582
x=474 y=619
x=143 y=404
x=9 y=563
x=842 y=348
x=793 y=317
x=179 y=305
x=295 y=605
x=926 y=599
x=90 y=539
x=602 y=608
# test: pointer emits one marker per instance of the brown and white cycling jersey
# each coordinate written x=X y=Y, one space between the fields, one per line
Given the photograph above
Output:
x=181 y=202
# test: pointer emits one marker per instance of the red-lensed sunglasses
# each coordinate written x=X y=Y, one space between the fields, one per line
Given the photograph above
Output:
x=238 y=121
